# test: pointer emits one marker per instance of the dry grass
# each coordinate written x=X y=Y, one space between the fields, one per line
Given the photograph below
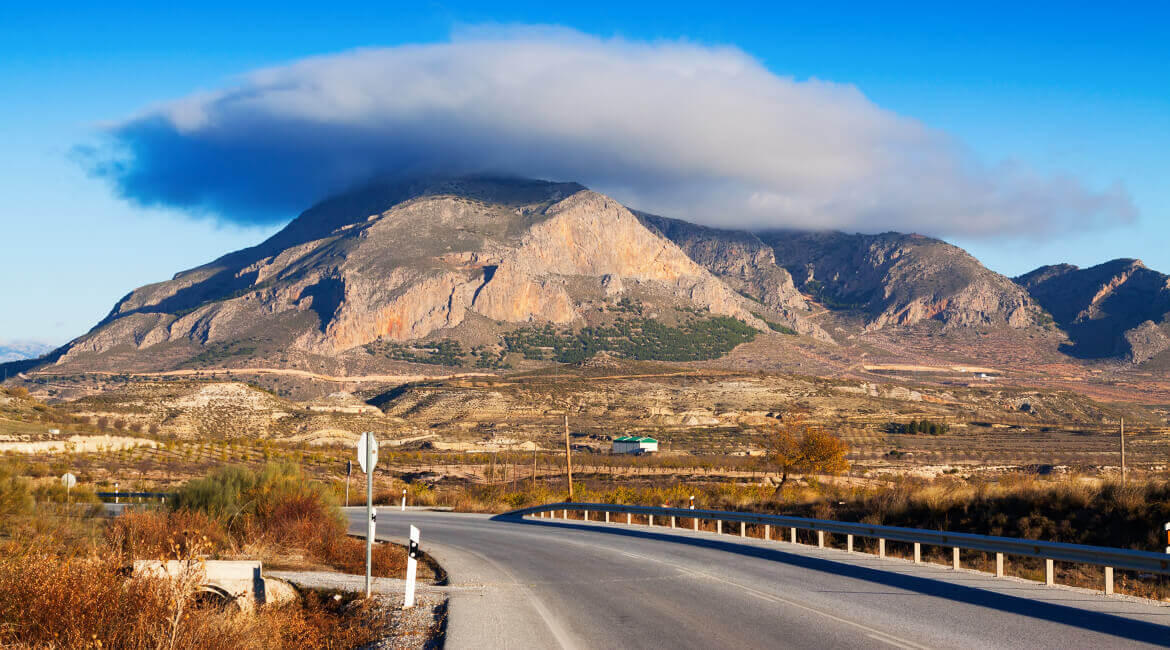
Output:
x=64 y=581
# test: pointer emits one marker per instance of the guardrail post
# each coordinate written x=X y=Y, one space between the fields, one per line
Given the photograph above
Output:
x=999 y=565
x=607 y=516
x=585 y=515
x=1108 y=581
x=695 y=522
x=718 y=526
x=768 y=532
x=742 y=529
x=566 y=513
x=629 y=518
x=955 y=558
x=792 y=535
x=917 y=553
x=881 y=548
x=672 y=522
x=1049 y=573
x=651 y=521
x=849 y=543
x=820 y=539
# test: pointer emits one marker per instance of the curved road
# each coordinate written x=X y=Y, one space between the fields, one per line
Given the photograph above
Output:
x=537 y=583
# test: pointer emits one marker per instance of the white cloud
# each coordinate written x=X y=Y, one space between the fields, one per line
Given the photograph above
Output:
x=703 y=133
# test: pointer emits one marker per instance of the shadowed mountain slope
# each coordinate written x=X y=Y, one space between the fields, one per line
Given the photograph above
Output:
x=1115 y=309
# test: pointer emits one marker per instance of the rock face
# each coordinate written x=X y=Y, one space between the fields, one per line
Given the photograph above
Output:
x=402 y=262
x=745 y=263
x=897 y=279
x=1116 y=309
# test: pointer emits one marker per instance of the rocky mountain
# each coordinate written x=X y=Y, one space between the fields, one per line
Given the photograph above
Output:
x=743 y=261
x=19 y=350
x=896 y=279
x=466 y=258
x=1115 y=309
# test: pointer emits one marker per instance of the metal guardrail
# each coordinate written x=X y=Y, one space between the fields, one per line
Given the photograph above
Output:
x=136 y=495
x=1110 y=558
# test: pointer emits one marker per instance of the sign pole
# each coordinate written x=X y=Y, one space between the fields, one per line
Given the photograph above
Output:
x=369 y=509
x=568 y=456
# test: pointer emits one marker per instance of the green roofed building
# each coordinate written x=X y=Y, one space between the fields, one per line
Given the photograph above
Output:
x=634 y=445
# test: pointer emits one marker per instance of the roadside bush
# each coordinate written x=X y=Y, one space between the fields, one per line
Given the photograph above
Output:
x=152 y=534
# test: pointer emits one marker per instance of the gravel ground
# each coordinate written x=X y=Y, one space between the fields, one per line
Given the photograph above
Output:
x=421 y=626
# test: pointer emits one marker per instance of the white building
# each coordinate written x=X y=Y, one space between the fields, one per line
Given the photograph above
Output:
x=634 y=445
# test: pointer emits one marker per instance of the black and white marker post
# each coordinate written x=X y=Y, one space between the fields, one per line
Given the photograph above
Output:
x=367 y=453
x=411 y=568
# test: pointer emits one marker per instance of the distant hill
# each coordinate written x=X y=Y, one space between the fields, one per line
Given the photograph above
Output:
x=1115 y=309
x=20 y=350
x=898 y=279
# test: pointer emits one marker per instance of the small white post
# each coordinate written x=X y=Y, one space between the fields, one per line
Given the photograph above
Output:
x=742 y=529
x=792 y=535
x=692 y=502
x=585 y=515
x=672 y=521
x=917 y=553
x=999 y=565
x=566 y=514
x=1108 y=581
x=849 y=543
x=411 y=568
x=1166 y=527
x=881 y=548
x=650 y=521
x=768 y=532
x=629 y=518
x=403 y=499
x=1049 y=573
x=115 y=493
x=955 y=558
x=718 y=526
x=820 y=539
x=695 y=523
x=607 y=516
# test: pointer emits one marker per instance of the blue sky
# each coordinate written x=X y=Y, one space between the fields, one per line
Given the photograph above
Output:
x=1061 y=87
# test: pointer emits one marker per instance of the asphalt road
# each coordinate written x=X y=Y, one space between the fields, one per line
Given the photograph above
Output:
x=547 y=584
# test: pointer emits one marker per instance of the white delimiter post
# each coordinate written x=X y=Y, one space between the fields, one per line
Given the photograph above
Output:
x=881 y=548
x=999 y=565
x=1108 y=581
x=849 y=543
x=403 y=499
x=917 y=553
x=742 y=529
x=768 y=532
x=1049 y=573
x=792 y=535
x=955 y=558
x=411 y=568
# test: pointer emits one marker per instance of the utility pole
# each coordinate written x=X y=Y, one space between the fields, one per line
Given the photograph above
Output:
x=568 y=456
x=1123 y=452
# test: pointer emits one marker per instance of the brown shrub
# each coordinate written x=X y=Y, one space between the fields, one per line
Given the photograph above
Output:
x=153 y=534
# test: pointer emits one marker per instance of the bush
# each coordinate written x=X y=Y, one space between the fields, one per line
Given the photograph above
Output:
x=142 y=534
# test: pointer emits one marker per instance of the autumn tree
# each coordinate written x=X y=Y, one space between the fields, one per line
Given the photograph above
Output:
x=794 y=446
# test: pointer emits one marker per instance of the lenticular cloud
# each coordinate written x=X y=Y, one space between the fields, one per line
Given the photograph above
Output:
x=703 y=133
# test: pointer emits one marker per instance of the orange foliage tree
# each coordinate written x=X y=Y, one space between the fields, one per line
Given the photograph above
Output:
x=793 y=445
